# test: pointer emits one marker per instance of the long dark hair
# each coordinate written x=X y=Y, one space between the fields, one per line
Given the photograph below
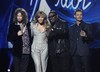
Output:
x=24 y=15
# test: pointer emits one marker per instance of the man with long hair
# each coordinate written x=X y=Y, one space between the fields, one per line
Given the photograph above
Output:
x=19 y=35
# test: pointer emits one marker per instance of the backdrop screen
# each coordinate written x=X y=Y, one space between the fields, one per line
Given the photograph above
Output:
x=64 y=8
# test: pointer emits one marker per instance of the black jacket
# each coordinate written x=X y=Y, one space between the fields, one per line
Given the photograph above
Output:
x=58 y=38
x=78 y=43
x=17 y=40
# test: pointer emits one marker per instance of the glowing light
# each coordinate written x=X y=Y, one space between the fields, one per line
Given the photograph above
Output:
x=34 y=10
x=31 y=2
x=8 y=70
x=67 y=4
x=85 y=7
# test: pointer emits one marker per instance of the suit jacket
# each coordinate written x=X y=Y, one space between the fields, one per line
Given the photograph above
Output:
x=80 y=44
x=17 y=40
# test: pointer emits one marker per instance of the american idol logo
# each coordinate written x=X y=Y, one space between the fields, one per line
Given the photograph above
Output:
x=66 y=9
x=73 y=4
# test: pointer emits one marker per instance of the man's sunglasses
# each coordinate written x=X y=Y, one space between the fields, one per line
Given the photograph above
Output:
x=51 y=16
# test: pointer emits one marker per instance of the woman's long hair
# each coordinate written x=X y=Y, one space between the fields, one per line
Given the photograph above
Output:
x=24 y=15
x=41 y=13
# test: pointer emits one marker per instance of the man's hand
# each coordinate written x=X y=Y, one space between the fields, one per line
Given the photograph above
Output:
x=20 y=33
x=83 y=33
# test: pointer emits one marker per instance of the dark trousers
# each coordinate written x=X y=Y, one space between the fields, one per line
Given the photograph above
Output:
x=20 y=64
x=60 y=62
x=81 y=63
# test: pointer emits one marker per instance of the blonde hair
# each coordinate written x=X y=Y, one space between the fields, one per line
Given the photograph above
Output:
x=41 y=13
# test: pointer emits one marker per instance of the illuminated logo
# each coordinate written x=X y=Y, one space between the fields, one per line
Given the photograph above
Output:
x=66 y=9
x=71 y=4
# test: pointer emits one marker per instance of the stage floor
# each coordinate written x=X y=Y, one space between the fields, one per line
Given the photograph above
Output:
x=6 y=60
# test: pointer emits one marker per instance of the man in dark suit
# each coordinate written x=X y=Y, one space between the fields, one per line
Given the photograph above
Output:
x=58 y=44
x=80 y=36
x=19 y=35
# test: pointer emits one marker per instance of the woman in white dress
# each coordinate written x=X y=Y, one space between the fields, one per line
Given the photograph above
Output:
x=39 y=48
